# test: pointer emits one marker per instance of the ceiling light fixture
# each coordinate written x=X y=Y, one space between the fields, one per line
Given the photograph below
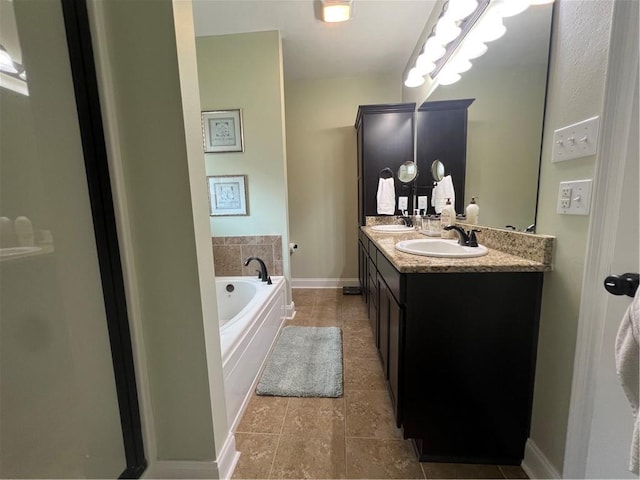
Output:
x=334 y=11
x=460 y=34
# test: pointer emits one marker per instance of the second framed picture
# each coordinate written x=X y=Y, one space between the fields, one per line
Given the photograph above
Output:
x=222 y=131
x=227 y=195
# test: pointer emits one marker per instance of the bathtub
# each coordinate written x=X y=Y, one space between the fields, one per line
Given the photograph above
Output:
x=250 y=314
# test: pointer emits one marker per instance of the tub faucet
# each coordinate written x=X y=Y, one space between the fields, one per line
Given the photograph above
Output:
x=466 y=239
x=262 y=273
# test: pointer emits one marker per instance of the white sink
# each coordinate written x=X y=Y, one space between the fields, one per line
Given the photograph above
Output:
x=392 y=228
x=440 y=248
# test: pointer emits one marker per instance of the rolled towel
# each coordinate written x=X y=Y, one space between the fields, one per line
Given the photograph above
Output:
x=386 y=196
x=441 y=191
x=628 y=369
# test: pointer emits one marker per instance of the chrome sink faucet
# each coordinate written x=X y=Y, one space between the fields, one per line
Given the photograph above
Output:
x=262 y=273
x=406 y=219
x=466 y=239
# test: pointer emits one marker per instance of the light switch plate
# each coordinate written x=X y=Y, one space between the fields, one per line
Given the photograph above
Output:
x=574 y=197
x=575 y=141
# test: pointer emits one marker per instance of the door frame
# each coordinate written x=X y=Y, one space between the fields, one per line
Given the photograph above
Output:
x=621 y=80
x=85 y=85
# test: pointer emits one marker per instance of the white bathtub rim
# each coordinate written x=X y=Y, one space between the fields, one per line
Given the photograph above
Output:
x=254 y=311
x=252 y=280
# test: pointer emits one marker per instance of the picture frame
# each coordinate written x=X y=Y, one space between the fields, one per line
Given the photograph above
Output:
x=222 y=131
x=227 y=195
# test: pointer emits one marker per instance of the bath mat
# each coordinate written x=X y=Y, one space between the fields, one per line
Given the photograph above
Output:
x=305 y=362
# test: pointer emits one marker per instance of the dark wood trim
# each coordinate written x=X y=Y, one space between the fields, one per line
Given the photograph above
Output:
x=383 y=108
x=85 y=84
x=446 y=104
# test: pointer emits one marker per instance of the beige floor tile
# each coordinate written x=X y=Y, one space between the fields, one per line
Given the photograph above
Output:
x=304 y=296
x=363 y=374
x=264 y=415
x=315 y=416
x=370 y=415
x=354 y=312
x=360 y=328
x=257 y=451
x=359 y=346
x=513 y=471
x=301 y=456
x=372 y=458
x=329 y=294
x=460 y=470
x=326 y=314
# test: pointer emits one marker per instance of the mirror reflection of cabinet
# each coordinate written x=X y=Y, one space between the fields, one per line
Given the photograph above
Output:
x=385 y=135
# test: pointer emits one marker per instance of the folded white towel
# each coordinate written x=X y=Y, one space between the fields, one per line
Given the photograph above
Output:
x=386 y=197
x=441 y=191
x=628 y=369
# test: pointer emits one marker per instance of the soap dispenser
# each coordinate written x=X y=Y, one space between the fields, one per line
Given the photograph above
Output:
x=417 y=219
x=447 y=217
x=24 y=231
x=473 y=210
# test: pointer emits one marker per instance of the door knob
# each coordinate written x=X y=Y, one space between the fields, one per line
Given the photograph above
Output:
x=625 y=284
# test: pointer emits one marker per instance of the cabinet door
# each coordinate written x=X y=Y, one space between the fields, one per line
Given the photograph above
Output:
x=395 y=355
x=362 y=269
x=373 y=299
x=383 y=325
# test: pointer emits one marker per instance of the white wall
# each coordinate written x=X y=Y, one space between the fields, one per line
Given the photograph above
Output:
x=322 y=170
x=578 y=65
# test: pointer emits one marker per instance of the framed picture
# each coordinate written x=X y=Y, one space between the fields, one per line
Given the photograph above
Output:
x=227 y=195
x=222 y=130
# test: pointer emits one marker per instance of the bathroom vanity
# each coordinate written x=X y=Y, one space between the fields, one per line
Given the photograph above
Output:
x=457 y=339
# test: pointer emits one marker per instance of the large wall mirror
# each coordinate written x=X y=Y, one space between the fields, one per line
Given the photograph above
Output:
x=505 y=123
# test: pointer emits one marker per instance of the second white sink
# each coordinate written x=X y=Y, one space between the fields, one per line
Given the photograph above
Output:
x=440 y=248
x=392 y=228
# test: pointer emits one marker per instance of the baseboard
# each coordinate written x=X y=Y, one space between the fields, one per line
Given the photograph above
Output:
x=290 y=310
x=323 y=282
x=536 y=464
x=223 y=468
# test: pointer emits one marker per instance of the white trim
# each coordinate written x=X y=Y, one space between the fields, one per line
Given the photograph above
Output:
x=120 y=203
x=536 y=464
x=323 y=282
x=223 y=468
x=614 y=133
x=290 y=311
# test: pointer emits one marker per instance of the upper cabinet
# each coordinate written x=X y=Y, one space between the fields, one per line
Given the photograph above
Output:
x=386 y=140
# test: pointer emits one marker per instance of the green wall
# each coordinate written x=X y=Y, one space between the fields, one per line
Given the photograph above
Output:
x=141 y=43
x=323 y=188
x=577 y=71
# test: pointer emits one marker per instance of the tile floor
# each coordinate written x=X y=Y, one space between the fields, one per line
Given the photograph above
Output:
x=350 y=437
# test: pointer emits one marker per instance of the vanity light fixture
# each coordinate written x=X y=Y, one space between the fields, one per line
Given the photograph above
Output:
x=460 y=35
x=334 y=11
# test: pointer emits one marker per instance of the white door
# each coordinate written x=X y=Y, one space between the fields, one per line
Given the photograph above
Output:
x=600 y=418
x=612 y=422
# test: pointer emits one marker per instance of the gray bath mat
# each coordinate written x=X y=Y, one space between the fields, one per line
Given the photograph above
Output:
x=305 y=362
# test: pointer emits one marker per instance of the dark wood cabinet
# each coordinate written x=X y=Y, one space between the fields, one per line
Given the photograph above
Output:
x=385 y=139
x=458 y=351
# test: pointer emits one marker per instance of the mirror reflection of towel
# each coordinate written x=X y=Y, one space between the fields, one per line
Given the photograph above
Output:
x=627 y=366
x=386 y=196
x=441 y=191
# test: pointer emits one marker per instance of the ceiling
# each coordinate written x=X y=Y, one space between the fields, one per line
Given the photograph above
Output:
x=378 y=39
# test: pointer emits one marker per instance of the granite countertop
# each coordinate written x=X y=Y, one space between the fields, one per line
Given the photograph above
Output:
x=495 y=261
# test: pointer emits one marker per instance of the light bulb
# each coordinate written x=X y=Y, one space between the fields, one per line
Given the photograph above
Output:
x=446 y=30
x=448 y=77
x=489 y=28
x=459 y=64
x=424 y=65
x=460 y=9
x=433 y=49
x=414 y=78
x=472 y=48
